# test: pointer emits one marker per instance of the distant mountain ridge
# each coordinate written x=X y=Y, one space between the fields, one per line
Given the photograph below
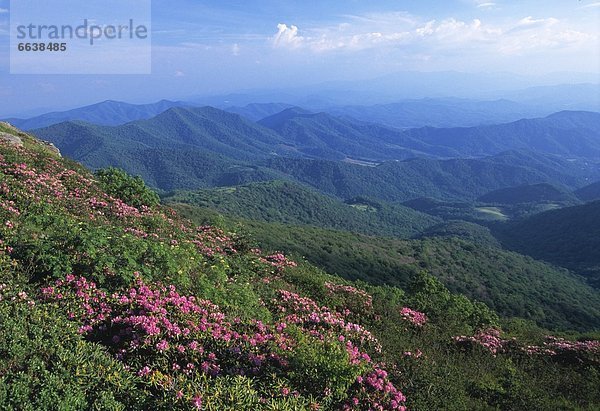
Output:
x=398 y=100
x=107 y=113
x=567 y=133
x=573 y=134
x=441 y=112
x=201 y=147
x=258 y=111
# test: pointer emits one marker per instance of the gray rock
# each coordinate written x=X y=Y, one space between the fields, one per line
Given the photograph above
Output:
x=17 y=141
x=11 y=139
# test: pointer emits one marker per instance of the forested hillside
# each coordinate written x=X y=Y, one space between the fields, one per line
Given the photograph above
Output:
x=109 y=300
x=568 y=237
x=292 y=203
x=190 y=148
x=512 y=284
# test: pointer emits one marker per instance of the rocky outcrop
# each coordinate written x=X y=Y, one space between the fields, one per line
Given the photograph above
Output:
x=51 y=147
x=12 y=139
x=14 y=136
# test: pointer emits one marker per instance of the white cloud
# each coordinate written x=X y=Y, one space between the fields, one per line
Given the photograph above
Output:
x=426 y=30
x=356 y=37
x=400 y=30
x=179 y=73
x=287 y=36
x=235 y=49
x=486 y=5
x=530 y=22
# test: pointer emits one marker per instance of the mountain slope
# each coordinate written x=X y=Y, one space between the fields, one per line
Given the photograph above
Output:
x=108 y=113
x=534 y=193
x=589 y=193
x=511 y=283
x=292 y=203
x=210 y=129
x=567 y=237
x=107 y=305
x=164 y=163
x=567 y=133
x=458 y=179
x=324 y=136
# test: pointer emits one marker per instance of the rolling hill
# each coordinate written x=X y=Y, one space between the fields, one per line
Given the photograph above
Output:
x=292 y=203
x=258 y=111
x=323 y=136
x=464 y=230
x=570 y=134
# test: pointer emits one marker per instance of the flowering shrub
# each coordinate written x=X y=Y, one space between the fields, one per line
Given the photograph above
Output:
x=375 y=391
x=488 y=339
x=279 y=261
x=354 y=299
x=414 y=317
x=322 y=322
x=166 y=337
x=559 y=349
x=45 y=365
x=578 y=352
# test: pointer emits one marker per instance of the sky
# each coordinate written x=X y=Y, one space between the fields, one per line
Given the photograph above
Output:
x=221 y=46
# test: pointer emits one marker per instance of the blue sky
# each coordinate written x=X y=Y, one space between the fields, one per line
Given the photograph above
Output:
x=208 y=47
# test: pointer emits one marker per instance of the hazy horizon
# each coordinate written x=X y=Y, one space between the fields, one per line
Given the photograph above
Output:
x=210 y=48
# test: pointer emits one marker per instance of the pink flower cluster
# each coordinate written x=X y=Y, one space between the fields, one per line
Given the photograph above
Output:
x=144 y=324
x=488 y=339
x=322 y=322
x=279 y=261
x=558 y=348
x=212 y=240
x=354 y=298
x=5 y=248
x=374 y=391
x=8 y=294
x=577 y=351
x=414 y=317
x=34 y=178
x=10 y=207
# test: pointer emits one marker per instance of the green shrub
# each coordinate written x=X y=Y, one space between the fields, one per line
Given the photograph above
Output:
x=46 y=365
x=132 y=190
